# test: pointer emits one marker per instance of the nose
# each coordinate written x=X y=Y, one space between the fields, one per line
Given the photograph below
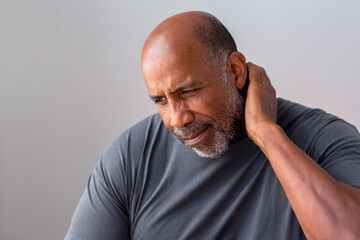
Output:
x=180 y=115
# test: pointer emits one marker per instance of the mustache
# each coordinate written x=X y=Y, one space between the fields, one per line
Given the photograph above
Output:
x=191 y=129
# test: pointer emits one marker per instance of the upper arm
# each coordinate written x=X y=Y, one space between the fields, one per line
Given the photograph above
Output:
x=102 y=211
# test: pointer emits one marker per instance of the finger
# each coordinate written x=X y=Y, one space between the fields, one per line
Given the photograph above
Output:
x=257 y=74
x=254 y=72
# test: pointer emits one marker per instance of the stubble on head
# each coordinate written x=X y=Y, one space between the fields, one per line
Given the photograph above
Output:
x=186 y=31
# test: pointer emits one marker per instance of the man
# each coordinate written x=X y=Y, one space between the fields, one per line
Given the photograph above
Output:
x=262 y=168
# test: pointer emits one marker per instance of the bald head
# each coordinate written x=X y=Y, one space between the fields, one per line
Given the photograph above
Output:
x=194 y=75
x=183 y=31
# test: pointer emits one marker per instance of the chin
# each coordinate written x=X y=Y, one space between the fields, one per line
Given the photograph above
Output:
x=214 y=151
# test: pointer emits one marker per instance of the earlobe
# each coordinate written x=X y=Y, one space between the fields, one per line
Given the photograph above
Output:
x=237 y=65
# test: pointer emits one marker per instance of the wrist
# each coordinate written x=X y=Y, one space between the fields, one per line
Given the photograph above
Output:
x=266 y=134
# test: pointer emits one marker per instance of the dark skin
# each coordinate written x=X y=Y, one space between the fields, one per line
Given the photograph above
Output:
x=190 y=93
x=330 y=214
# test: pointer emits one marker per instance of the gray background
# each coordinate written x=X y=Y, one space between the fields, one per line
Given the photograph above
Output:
x=70 y=82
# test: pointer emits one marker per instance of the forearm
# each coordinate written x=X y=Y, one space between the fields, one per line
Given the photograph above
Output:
x=325 y=207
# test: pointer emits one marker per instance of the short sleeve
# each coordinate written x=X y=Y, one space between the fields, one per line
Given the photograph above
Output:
x=336 y=147
x=101 y=212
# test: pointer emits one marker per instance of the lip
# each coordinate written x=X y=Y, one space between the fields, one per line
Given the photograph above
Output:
x=196 y=138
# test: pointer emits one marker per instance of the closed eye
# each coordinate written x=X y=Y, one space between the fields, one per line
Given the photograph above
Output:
x=189 y=91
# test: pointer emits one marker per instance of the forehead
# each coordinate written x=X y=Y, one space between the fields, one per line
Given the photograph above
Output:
x=166 y=50
x=165 y=64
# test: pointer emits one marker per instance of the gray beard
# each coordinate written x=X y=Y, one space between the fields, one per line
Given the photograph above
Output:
x=220 y=146
x=230 y=126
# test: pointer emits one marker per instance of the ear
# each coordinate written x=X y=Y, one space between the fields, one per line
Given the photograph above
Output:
x=237 y=68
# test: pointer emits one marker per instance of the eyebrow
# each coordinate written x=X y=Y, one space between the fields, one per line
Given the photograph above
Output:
x=185 y=86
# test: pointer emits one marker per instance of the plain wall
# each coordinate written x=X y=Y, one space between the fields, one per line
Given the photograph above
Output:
x=70 y=83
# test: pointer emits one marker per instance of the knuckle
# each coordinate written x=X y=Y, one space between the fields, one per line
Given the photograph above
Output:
x=262 y=70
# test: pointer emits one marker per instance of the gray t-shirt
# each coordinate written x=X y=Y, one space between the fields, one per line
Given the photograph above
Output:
x=148 y=185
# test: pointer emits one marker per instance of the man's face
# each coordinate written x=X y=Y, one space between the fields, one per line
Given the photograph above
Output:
x=196 y=102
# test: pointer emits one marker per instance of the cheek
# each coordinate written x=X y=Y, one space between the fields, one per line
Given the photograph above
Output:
x=215 y=100
x=210 y=107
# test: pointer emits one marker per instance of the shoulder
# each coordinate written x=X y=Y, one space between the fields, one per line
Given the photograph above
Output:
x=304 y=125
x=131 y=142
x=314 y=130
x=292 y=115
x=330 y=141
x=136 y=134
x=122 y=157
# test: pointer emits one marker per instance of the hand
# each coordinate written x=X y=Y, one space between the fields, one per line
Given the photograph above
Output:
x=261 y=103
